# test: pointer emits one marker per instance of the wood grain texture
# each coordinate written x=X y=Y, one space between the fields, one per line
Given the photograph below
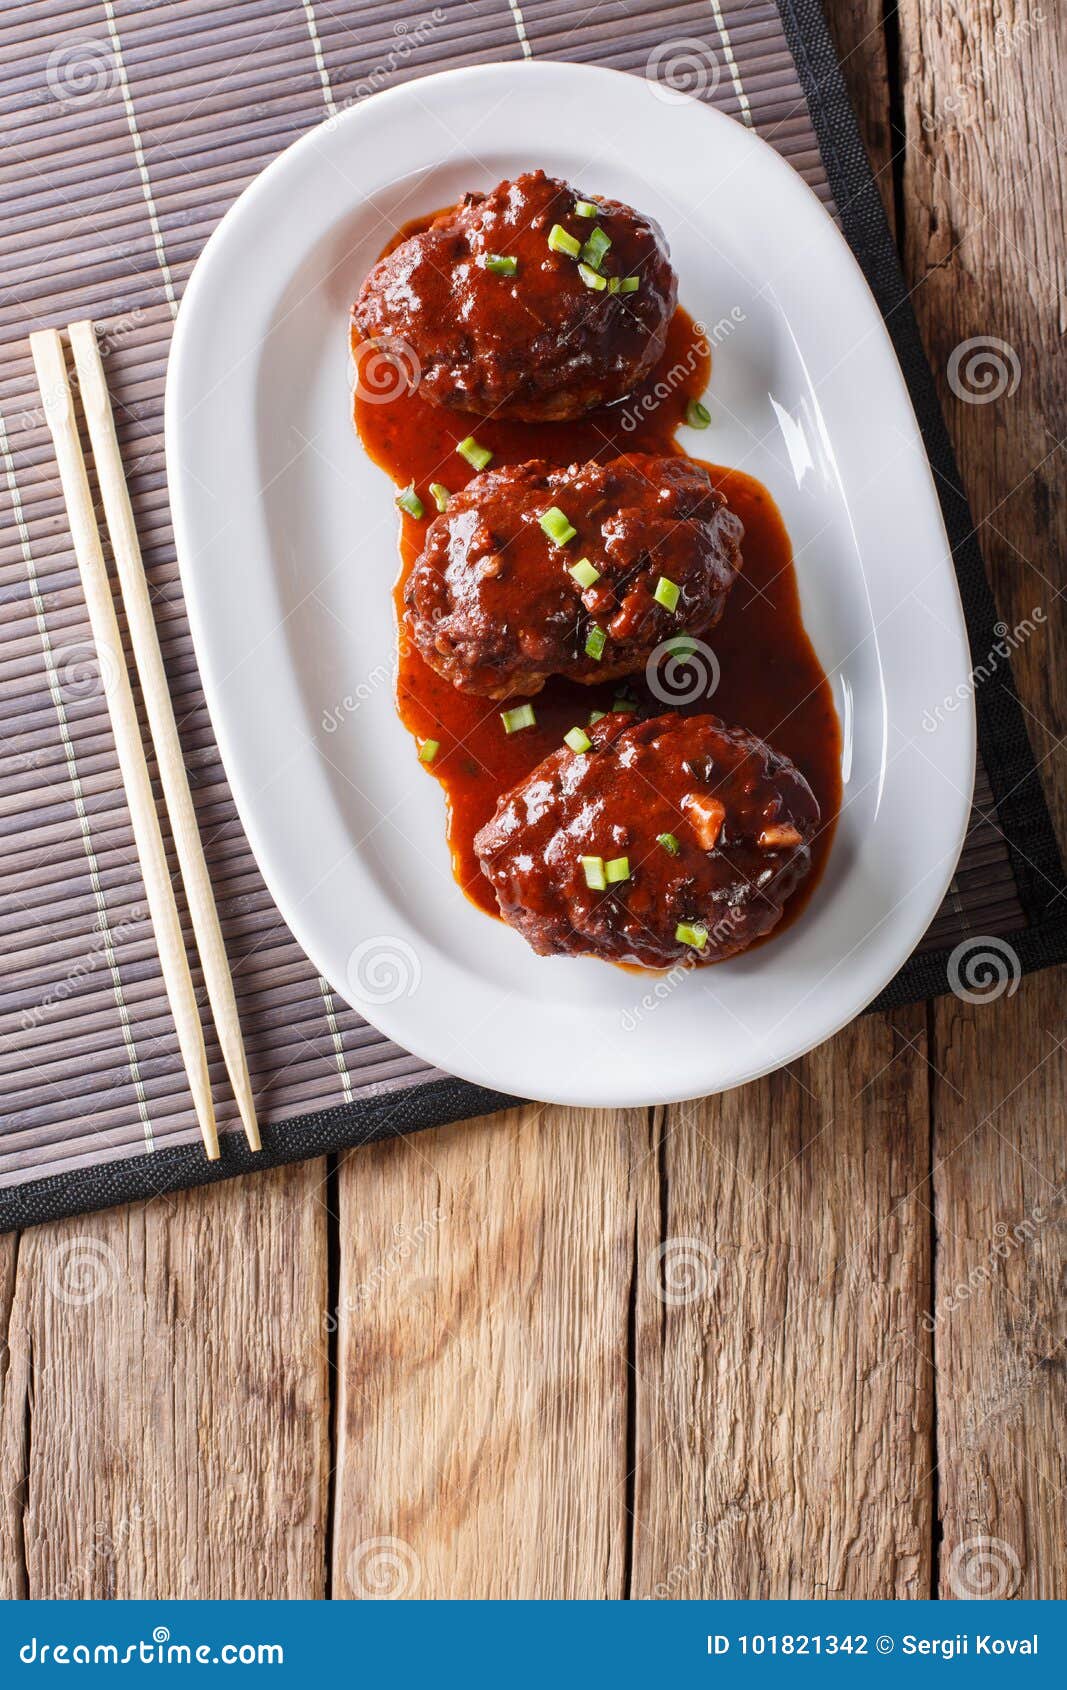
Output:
x=483 y=1359
x=783 y=1389
x=999 y=1316
x=176 y=1430
x=15 y=1369
x=984 y=181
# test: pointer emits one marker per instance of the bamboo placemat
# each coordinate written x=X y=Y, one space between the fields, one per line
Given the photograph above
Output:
x=130 y=128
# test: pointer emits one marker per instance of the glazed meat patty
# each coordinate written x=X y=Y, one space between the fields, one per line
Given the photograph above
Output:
x=669 y=839
x=516 y=303
x=503 y=595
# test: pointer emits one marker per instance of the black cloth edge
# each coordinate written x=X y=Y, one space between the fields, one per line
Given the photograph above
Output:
x=1002 y=736
x=152 y=1175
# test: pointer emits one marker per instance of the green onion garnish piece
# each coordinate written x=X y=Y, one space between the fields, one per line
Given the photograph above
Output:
x=477 y=456
x=522 y=716
x=595 y=247
x=499 y=265
x=683 y=645
x=409 y=501
x=595 y=642
x=596 y=716
x=629 y=284
x=556 y=526
x=697 y=415
x=428 y=750
x=560 y=241
x=669 y=843
x=667 y=593
x=618 y=869
x=613 y=284
x=440 y=495
x=586 y=208
x=577 y=739
x=584 y=573
x=691 y=934
x=594 y=873
x=591 y=279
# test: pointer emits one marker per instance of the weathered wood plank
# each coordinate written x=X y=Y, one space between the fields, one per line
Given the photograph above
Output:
x=985 y=188
x=1000 y=1326
x=482 y=1359
x=783 y=1385
x=179 y=1390
x=14 y=1401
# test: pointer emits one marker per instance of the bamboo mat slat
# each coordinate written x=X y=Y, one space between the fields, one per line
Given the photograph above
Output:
x=129 y=129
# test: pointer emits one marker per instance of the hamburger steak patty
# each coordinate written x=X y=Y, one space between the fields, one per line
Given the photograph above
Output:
x=501 y=321
x=669 y=839
x=496 y=604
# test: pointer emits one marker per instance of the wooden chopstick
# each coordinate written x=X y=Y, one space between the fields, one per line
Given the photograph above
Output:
x=47 y=349
x=144 y=639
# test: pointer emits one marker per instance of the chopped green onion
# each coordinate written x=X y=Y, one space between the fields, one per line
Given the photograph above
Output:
x=691 y=934
x=596 y=716
x=595 y=247
x=584 y=573
x=683 y=645
x=629 y=284
x=560 y=241
x=577 y=739
x=522 y=716
x=613 y=284
x=669 y=843
x=477 y=456
x=586 y=208
x=595 y=643
x=428 y=750
x=440 y=495
x=618 y=869
x=697 y=415
x=594 y=873
x=592 y=279
x=667 y=593
x=556 y=526
x=498 y=265
x=409 y=501
x=624 y=700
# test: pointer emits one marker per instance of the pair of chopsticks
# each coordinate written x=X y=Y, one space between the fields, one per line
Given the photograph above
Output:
x=53 y=381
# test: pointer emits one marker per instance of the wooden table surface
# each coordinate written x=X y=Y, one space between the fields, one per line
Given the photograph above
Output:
x=681 y=1352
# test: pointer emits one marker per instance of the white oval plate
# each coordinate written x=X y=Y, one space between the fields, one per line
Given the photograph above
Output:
x=286 y=535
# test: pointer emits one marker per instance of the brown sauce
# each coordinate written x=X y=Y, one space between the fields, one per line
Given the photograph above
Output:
x=770 y=678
